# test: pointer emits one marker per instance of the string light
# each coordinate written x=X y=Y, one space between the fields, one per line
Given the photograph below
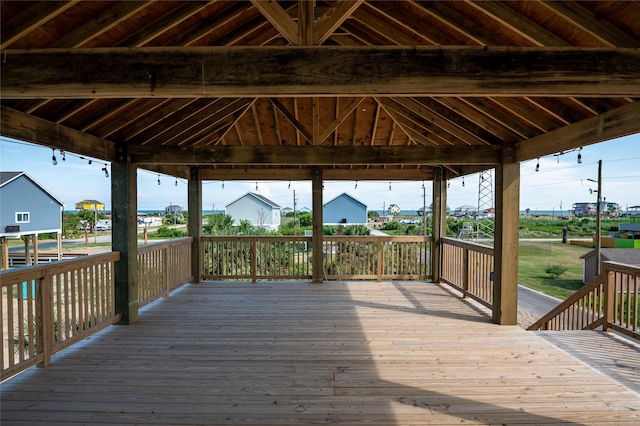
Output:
x=63 y=157
x=463 y=181
x=580 y=156
x=356 y=187
x=389 y=186
x=448 y=184
x=176 y=182
x=256 y=186
x=289 y=187
x=158 y=179
x=538 y=165
x=222 y=184
x=104 y=169
x=53 y=157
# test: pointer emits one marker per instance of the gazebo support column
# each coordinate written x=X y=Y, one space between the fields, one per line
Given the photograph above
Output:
x=438 y=219
x=316 y=203
x=194 y=225
x=505 y=285
x=124 y=215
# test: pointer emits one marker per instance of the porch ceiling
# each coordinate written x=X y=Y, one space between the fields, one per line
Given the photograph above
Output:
x=365 y=89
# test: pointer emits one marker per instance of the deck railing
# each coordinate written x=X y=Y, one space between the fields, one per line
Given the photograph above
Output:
x=46 y=308
x=162 y=267
x=610 y=302
x=283 y=258
x=468 y=267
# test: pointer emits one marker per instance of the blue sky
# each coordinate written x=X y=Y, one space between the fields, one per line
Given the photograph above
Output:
x=559 y=183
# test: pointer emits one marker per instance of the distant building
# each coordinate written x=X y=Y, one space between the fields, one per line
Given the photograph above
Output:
x=627 y=256
x=173 y=209
x=90 y=205
x=465 y=210
x=591 y=209
x=26 y=207
x=258 y=210
x=344 y=209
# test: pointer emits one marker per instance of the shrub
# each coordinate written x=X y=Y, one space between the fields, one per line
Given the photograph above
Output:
x=555 y=271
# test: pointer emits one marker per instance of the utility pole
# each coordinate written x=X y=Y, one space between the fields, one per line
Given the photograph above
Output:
x=598 y=219
x=295 y=217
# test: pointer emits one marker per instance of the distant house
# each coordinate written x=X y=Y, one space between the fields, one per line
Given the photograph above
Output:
x=173 y=209
x=258 y=210
x=465 y=210
x=628 y=256
x=90 y=205
x=26 y=207
x=344 y=209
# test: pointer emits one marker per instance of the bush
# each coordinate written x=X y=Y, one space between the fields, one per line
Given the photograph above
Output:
x=166 y=232
x=555 y=271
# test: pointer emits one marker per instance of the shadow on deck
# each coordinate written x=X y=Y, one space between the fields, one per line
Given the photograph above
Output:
x=294 y=353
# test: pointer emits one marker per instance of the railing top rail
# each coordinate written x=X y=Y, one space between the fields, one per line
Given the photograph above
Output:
x=366 y=238
x=11 y=276
x=468 y=245
x=621 y=267
x=163 y=244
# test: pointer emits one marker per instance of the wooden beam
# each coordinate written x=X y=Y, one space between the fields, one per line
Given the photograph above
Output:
x=333 y=18
x=292 y=119
x=306 y=9
x=280 y=19
x=320 y=71
x=612 y=124
x=316 y=243
x=194 y=225
x=254 y=173
x=317 y=155
x=18 y=125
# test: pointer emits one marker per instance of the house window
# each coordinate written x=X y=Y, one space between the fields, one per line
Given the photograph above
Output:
x=22 y=217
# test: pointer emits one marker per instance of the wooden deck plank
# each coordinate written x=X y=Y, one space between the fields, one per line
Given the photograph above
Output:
x=294 y=353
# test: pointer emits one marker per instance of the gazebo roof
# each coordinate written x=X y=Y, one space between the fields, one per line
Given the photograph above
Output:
x=364 y=89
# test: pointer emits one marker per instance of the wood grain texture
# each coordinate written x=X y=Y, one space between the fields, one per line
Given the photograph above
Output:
x=389 y=353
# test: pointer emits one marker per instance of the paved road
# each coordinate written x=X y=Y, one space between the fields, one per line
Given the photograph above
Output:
x=534 y=302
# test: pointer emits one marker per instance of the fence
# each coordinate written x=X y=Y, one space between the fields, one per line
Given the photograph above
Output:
x=610 y=302
x=282 y=258
x=46 y=308
x=468 y=267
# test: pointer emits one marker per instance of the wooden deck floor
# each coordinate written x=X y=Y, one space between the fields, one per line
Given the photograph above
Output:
x=294 y=353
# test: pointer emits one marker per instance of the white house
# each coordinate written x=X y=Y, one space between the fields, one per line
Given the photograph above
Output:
x=255 y=208
x=344 y=209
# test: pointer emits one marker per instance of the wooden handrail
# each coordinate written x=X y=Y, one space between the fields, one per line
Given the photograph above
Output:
x=611 y=301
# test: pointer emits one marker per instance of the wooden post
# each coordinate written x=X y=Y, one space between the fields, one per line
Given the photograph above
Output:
x=36 y=255
x=505 y=285
x=380 y=259
x=167 y=274
x=439 y=217
x=124 y=215
x=318 y=254
x=27 y=253
x=44 y=319
x=254 y=260
x=194 y=225
x=609 y=299
x=465 y=272
x=5 y=253
x=60 y=246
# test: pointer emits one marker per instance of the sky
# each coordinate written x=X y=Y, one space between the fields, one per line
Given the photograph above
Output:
x=559 y=183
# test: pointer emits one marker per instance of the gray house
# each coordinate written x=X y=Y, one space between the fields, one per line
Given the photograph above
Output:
x=344 y=209
x=26 y=208
x=255 y=208
x=629 y=256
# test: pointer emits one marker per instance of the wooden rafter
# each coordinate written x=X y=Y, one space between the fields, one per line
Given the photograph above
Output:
x=280 y=19
x=339 y=119
x=333 y=18
x=292 y=119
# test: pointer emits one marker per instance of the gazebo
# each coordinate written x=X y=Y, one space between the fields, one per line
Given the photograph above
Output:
x=315 y=90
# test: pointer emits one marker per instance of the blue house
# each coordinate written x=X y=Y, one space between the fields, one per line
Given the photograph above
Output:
x=26 y=208
x=344 y=209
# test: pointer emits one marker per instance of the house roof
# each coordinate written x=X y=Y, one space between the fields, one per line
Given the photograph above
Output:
x=7 y=177
x=344 y=194
x=629 y=256
x=364 y=89
x=257 y=196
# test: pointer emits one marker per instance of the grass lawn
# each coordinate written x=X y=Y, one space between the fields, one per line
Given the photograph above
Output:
x=535 y=256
